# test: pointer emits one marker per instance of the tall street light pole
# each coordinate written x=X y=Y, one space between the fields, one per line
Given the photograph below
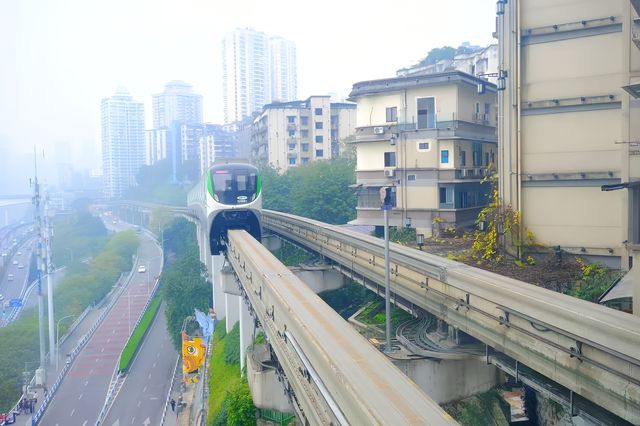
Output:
x=385 y=199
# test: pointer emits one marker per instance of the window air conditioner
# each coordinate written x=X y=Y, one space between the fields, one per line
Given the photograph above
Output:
x=389 y=173
x=378 y=130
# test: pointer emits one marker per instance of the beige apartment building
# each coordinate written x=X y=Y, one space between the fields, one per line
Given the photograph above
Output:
x=570 y=123
x=288 y=134
x=432 y=139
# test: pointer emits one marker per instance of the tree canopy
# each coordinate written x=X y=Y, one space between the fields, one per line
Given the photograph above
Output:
x=319 y=190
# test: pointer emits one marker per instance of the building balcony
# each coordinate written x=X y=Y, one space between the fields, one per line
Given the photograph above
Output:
x=455 y=129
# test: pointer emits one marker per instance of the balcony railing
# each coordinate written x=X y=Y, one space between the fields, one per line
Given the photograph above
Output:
x=443 y=130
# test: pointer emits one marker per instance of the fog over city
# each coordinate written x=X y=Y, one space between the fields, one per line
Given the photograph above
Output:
x=60 y=58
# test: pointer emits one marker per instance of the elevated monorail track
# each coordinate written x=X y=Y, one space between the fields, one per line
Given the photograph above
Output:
x=335 y=374
x=591 y=350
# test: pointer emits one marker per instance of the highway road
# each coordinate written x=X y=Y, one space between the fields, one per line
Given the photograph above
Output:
x=11 y=288
x=81 y=396
x=143 y=395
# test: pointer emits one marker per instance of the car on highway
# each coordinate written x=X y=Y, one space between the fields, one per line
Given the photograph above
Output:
x=20 y=266
x=15 y=262
x=19 y=253
x=10 y=277
x=142 y=269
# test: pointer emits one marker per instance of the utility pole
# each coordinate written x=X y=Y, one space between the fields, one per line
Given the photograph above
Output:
x=49 y=265
x=386 y=205
x=41 y=257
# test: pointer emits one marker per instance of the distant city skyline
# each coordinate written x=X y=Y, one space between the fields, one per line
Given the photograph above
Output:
x=59 y=59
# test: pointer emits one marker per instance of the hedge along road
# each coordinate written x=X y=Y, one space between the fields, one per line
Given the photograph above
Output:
x=144 y=393
x=81 y=396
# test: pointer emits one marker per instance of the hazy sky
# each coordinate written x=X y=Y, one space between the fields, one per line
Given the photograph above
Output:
x=59 y=58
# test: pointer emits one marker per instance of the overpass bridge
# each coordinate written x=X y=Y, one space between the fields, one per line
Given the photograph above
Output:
x=591 y=351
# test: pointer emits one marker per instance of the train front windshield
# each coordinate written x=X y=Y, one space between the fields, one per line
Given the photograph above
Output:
x=234 y=186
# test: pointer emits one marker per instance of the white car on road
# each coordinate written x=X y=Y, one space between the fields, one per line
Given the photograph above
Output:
x=142 y=269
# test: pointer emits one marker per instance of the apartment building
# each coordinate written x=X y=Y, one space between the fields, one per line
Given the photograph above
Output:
x=256 y=69
x=123 y=142
x=571 y=123
x=432 y=139
x=288 y=134
x=215 y=144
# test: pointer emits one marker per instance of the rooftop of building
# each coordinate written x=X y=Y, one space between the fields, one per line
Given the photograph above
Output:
x=299 y=104
x=373 y=87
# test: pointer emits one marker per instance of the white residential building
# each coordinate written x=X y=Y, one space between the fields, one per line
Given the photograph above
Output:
x=288 y=134
x=157 y=142
x=176 y=103
x=123 y=142
x=249 y=60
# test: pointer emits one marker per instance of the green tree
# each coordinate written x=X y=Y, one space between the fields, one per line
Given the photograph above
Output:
x=275 y=190
x=77 y=236
x=438 y=54
x=239 y=406
x=321 y=191
x=185 y=287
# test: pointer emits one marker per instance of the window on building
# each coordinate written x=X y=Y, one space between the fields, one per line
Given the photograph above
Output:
x=389 y=159
x=463 y=158
x=426 y=113
x=304 y=134
x=305 y=160
x=319 y=139
x=424 y=146
x=291 y=118
x=334 y=135
x=634 y=216
x=305 y=147
x=334 y=119
x=477 y=154
x=292 y=146
x=486 y=158
x=304 y=121
x=443 y=195
x=319 y=153
x=318 y=111
x=292 y=161
x=493 y=157
x=319 y=125
x=487 y=110
x=370 y=198
x=444 y=156
x=292 y=133
x=411 y=178
x=392 y=114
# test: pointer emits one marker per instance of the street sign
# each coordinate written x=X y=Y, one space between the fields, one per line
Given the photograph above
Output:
x=15 y=303
x=385 y=198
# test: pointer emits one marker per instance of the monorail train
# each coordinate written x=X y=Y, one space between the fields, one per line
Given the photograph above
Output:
x=234 y=201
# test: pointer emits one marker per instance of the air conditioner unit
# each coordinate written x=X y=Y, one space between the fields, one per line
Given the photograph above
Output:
x=378 y=130
x=389 y=173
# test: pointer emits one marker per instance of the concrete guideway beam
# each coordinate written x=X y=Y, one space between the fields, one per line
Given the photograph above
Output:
x=590 y=349
x=349 y=376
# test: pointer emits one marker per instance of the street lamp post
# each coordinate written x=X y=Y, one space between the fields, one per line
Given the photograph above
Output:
x=57 y=355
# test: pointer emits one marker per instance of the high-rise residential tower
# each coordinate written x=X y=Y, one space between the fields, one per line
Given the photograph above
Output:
x=123 y=142
x=284 y=79
x=249 y=59
x=176 y=103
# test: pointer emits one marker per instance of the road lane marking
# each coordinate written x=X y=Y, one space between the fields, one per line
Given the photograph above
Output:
x=149 y=376
x=86 y=383
x=144 y=390
x=139 y=402
x=102 y=350
x=72 y=411
x=80 y=397
x=155 y=363
x=133 y=420
x=85 y=423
